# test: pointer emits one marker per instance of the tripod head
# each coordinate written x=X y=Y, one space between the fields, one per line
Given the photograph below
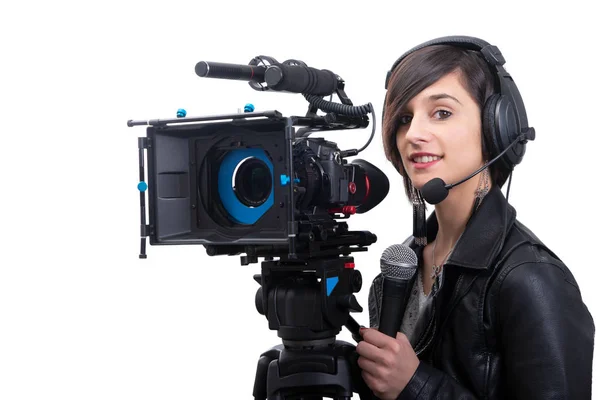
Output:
x=308 y=301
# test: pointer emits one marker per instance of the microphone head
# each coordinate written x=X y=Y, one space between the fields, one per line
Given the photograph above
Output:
x=434 y=191
x=398 y=261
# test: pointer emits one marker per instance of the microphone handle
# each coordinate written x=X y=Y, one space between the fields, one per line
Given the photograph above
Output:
x=393 y=305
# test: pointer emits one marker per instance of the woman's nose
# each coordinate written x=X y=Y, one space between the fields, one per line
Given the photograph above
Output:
x=418 y=131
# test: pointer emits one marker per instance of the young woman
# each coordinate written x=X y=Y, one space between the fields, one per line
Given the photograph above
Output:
x=494 y=313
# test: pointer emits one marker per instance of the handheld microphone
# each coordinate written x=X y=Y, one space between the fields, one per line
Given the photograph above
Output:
x=436 y=190
x=398 y=268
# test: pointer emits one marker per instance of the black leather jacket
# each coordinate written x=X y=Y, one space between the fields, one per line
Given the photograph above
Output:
x=507 y=320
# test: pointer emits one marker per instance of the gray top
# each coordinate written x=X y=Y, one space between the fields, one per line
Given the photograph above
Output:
x=414 y=307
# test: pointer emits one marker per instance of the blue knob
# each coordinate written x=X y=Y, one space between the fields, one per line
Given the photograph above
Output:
x=284 y=179
x=142 y=186
x=249 y=107
x=181 y=113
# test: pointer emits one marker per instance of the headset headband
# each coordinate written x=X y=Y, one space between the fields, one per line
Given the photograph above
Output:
x=493 y=57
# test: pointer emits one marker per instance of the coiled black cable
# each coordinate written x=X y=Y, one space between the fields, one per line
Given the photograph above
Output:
x=344 y=109
x=338 y=108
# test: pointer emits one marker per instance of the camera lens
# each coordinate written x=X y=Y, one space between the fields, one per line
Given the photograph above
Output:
x=252 y=182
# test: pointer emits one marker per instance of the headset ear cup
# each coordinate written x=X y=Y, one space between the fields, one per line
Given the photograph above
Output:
x=507 y=130
x=490 y=146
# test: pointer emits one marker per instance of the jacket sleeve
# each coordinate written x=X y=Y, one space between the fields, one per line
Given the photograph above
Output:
x=545 y=333
x=545 y=337
x=431 y=383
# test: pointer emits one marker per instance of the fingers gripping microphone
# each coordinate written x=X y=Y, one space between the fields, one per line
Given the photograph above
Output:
x=436 y=190
x=398 y=268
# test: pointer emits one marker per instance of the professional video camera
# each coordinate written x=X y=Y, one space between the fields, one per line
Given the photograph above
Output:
x=255 y=184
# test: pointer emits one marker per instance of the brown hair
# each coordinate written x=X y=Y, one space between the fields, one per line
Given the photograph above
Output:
x=421 y=69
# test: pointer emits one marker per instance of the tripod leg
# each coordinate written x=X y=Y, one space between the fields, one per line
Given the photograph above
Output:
x=260 y=381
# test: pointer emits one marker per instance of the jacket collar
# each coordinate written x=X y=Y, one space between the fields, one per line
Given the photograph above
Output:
x=484 y=233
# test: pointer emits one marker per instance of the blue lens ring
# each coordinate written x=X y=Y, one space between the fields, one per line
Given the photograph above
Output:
x=239 y=212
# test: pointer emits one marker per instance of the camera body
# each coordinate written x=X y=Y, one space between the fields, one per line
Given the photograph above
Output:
x=248 y=183
x=255 y=182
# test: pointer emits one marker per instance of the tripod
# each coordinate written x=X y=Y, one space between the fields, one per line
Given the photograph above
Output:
x=308 y=303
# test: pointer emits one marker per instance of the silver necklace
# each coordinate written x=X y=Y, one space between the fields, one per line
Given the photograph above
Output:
x=482 y=190
x=436 y=269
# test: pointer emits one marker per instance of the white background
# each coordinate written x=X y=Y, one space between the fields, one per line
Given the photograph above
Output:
x=81 y=317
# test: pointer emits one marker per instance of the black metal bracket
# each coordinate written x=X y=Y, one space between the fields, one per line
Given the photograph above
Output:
x=143 y=144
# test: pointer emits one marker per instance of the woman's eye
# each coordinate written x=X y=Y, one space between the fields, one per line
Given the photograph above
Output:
x=405 y=119
x=443 y=114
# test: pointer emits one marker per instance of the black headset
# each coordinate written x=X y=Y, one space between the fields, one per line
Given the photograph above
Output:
x=504 y=114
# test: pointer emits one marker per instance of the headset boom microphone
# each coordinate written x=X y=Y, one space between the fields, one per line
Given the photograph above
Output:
x=436 y=190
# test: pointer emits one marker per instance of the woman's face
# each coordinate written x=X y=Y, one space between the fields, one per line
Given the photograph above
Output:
x=440 y=133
